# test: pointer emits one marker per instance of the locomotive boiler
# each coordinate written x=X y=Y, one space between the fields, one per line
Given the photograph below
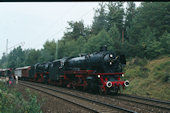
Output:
x=103 y=62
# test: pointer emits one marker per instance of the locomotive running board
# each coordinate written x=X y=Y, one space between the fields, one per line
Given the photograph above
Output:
x=90 y=72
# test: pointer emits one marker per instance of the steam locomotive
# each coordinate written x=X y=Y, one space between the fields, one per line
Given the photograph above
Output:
x=97 y=72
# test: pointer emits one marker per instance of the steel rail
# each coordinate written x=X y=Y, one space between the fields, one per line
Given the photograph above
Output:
x=108 y=105
x=148 y=99
x=152 y=105
x=161 y=107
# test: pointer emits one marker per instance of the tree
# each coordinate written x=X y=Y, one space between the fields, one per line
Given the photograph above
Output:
x=61 y=48
x=80 y=45
x=16 y=58
x=154 y=15
x=146 y=29
x=100 y=20
x=150 y=47
x=130 y=14
x=32 y=56
x=3 y=61
x=95 y=42
x=115 y=15
x=48 y=52
x=165 y=42
x=75 y=30
x=115 y=39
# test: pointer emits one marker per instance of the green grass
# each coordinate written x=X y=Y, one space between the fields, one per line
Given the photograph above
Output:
x=12 y=101
x=149 y=78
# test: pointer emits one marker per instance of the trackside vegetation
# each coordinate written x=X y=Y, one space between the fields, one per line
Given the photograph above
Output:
x=149 y=78
x=12 y=101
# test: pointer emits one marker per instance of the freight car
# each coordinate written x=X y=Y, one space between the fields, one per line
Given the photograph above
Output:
x=6 y=72
x=2 y=72
x=9 y=72
x=22 y=72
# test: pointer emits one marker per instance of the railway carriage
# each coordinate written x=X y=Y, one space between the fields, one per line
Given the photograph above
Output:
x=22 y=72
x=2 y=72
x=7 y=72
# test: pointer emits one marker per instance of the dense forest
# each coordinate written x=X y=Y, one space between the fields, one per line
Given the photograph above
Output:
x=142 y=31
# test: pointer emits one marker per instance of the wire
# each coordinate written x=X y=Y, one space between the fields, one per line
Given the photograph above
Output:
x=21 y=44
x=59 y=18
x=78 y=18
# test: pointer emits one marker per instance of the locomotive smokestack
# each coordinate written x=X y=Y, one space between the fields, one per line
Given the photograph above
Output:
x=103 y=48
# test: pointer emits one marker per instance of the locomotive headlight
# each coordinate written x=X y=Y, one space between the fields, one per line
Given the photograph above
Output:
x=98 y=76
x=123 y=75
x=111 y=55
x=110 y=63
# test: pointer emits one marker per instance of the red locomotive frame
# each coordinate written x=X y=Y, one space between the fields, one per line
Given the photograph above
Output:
x=79 y=79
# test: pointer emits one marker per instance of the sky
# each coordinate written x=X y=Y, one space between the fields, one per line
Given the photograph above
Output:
x=31 y=24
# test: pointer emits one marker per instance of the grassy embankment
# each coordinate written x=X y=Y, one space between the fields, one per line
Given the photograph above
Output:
x=149 y=78
x=12 y=101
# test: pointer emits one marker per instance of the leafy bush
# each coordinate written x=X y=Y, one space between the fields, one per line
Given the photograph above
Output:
x=140 y=62
x=12 y=101
x=143 y=72
x=164 y=65
x=136 y=68
x=166 y=78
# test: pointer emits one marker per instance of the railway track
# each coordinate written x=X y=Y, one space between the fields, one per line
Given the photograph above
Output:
x=87 y=103
x=123 y=100
x=165 y=105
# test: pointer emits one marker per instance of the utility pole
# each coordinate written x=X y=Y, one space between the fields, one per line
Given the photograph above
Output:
x=122 y=37
x=9 y=48
x=6 y=46
x=56 y=50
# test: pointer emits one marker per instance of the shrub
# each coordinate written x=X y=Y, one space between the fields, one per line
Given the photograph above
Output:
x=166 y=78
x=12 y=101
x=138 y=61
x=143 y=72
x=163 y=66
